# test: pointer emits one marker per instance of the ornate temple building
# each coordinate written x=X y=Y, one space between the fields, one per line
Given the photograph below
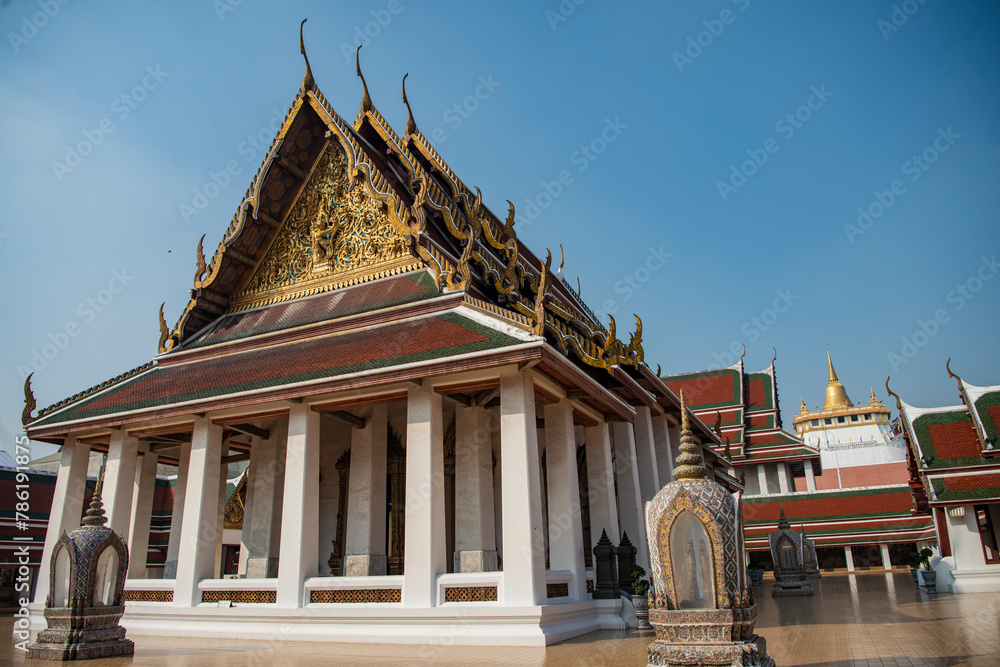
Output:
x=956 y=475
x=841 y=477
x=437 y=428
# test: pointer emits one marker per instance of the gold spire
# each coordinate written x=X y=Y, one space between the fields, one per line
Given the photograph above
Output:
x=875 y=400
x=836 y=395
x=690 y=464
x=803 y=408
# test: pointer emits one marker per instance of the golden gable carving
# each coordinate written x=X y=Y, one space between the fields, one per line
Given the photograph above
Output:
x=335 y=235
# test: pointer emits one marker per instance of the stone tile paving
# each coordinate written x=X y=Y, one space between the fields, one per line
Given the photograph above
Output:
x=864 y=620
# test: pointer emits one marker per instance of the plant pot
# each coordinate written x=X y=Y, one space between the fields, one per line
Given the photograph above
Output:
x=915 y=572
x=641 y=604
x=930 y=580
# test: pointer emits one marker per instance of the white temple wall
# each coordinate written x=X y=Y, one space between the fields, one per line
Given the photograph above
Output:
x=971 y=573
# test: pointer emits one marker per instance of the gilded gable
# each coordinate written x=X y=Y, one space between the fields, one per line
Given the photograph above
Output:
x=335 y=235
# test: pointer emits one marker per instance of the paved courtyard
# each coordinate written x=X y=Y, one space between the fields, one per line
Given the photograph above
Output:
x=860 y=620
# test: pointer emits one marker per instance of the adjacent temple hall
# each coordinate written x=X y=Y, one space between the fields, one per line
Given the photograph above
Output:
x=438 y=429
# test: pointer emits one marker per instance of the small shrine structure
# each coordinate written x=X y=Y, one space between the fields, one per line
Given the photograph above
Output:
x=788 y=549
x=701 y=603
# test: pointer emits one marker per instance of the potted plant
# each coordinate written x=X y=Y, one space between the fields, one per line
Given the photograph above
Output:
x=639 y=599
x=915 y=568
x=930 y=576
x=754 y=571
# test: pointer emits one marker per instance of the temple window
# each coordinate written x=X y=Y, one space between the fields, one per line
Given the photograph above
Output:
x=987 y=534
x=814 y=422
x=840 y=420
x=691 y=561
x=828 y=421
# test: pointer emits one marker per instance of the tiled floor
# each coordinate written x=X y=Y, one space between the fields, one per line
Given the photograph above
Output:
x=859 y=620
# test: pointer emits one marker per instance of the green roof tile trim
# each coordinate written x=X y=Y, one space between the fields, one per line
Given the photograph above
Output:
x=439 y=336
x=988 y=405
x=894 y=528
x=944 y=494
x=832 y=517
x=922 y=431
x=376 y=295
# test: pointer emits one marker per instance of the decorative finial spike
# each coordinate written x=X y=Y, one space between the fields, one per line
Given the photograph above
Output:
x=202 y=264
x=579 y=290
x=782 y=519
x=411 y=125
x=95 y=515
x=690 y=463
x=307 y=81
x=744 y=352
x=658 y=372
x=29 y=402
x=543 y=285
x=775 y=358
x=366 y=100
x=562 y=259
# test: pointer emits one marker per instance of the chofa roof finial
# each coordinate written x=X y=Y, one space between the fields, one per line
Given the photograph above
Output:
x=29 y=402
x=307 y=81
x=366 y=100
x=411 y=125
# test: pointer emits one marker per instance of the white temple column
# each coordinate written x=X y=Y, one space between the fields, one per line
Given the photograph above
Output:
x=142 y=515
x=196 y=554
x=601 y=483
x=524 y=551
x=849 y=554
x=265 y=524
x=177 y=511
x=300 y=506
x=220 y=516
x=475 y=532
x=423 y=528
x=762 y=479
x=565 y=520
x=119 y=480
x=664 y=452
x=645 y=449
x=250 y=473
x=886 y=561
x=67 y=505
x=630 y=510
x=810 y=476
x=365 y=540
x=783 y=477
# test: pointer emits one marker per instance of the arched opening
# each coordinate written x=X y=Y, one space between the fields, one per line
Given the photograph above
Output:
x=106 y=579
x=60 y=594
x=691 y=563
x=786 y=554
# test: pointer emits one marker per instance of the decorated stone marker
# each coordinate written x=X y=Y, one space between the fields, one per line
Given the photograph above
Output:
x=788 y=553
x=86 y=584
x=701 y=604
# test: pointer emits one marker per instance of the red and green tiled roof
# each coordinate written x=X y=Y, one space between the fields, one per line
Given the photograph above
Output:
x=967 y=487
x=833 y=505
x=988 y=409
x=376 y=295
x=423 y=339
x=709 y=389
x=760 y=392
x=947 y=439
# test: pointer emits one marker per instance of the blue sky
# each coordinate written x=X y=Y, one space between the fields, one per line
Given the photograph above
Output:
x=703 y=165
